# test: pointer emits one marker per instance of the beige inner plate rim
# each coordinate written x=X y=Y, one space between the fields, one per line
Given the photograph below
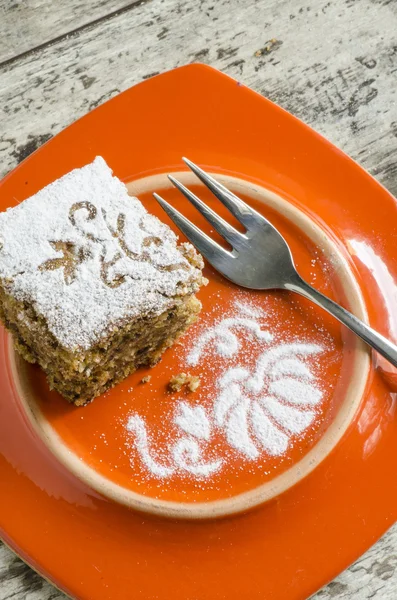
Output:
x=266 y=491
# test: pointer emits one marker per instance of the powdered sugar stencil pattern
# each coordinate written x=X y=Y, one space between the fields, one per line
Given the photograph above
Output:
x=257 y=410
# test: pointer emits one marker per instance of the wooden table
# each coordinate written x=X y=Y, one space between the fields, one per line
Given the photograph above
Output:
x=331 y=63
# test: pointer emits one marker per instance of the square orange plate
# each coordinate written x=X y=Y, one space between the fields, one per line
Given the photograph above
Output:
x=288 y=547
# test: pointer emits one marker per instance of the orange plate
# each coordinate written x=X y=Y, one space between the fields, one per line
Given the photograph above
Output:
x=91 y=547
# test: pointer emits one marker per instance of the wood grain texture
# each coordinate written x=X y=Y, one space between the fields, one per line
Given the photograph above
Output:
x=345 y=87
x=333 y=64
x=24 y=25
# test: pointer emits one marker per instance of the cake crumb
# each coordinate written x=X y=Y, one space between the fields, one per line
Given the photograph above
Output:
x=146 y=379
x=191 y=382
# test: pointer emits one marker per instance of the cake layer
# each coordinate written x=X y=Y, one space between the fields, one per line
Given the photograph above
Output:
x=81 y=376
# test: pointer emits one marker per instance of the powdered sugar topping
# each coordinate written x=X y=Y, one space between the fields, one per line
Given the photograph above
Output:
x=87 y=256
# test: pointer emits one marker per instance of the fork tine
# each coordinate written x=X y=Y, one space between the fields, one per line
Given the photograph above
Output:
x=231 y=235
x=213 y=252
x=237 y=207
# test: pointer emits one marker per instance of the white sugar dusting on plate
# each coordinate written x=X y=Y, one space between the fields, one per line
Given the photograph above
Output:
x=185 y=453
x=259 y=404
x=87 y=255
x=225 y=339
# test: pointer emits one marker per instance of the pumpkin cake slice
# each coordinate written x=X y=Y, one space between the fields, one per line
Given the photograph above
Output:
x=91 y=285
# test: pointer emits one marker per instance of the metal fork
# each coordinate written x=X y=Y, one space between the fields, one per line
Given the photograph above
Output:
x=260 y=258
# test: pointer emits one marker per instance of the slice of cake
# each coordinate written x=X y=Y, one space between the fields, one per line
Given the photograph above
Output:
x=91 y=285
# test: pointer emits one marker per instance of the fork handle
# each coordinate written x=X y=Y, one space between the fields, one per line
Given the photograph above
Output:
x=366 y=333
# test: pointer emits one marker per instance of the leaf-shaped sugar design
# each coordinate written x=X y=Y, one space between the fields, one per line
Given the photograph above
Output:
x=193 y=420
x=288 y=417
x=291 y=366
x=233 y=375
x=295 y=391
x=270 y=357
x=225 y=401
x=274 y=441
x=237 y=432
x=230 y=395
x=253 y=420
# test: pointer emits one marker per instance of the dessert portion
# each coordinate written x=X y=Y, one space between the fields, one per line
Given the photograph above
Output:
x=91 y=285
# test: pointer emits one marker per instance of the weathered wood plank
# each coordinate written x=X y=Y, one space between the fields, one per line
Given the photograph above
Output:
x=345 y=87
x=25 y=25
x=334 y=65
x=19 y=582
x=372 y=577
